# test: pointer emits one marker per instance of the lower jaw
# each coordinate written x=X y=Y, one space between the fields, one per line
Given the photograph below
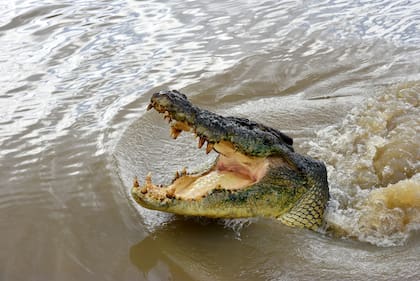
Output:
x=216 y=205
x=244 y=203
x=227 y=174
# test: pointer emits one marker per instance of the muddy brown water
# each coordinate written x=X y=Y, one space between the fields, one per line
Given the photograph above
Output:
x=342 y=79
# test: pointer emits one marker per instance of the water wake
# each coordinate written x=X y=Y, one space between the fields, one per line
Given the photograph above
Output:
x=373 y=160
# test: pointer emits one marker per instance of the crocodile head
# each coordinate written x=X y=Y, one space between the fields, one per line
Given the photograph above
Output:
x=256 y=173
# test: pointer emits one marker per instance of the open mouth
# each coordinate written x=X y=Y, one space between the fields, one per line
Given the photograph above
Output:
x=256 y=173
x=232 y=170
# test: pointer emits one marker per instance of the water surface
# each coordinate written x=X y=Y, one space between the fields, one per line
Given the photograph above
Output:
x=341 y=78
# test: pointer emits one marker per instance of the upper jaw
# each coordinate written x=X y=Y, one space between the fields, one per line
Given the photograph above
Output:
x=174 y=105
x=248 y=137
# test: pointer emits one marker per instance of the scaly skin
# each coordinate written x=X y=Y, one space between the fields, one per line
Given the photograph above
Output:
x=293 y=189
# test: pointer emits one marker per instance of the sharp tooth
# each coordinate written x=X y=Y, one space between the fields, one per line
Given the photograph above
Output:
x=149 y=179
x=170 y=193
x=167 y=116
x=184 y=171
x=148 y=184
x=201 y=142
x=175 y=132
x=150 y=106
x=209 y=147
x=136 y=182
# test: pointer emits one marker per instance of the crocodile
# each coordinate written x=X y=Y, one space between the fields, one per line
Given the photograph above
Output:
x=256 y=173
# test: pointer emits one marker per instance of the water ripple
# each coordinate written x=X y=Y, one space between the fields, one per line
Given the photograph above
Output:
x=75 y=74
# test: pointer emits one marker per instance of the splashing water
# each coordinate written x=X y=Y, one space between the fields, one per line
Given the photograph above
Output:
x=373 y=161
x=237 y=225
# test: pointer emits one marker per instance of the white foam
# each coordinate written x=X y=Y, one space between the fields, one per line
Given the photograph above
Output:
x=376 y=147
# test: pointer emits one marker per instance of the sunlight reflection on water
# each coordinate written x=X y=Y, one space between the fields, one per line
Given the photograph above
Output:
x=75 y=77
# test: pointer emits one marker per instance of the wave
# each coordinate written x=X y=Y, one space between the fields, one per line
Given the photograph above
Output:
x=373 y=160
